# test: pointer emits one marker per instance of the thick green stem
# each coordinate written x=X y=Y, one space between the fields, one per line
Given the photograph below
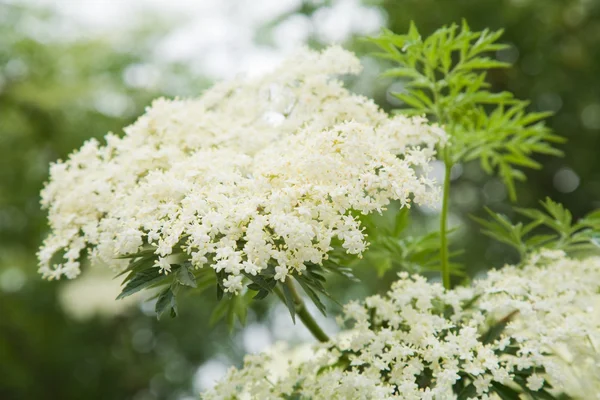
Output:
x=302 y=312
x=444 y=254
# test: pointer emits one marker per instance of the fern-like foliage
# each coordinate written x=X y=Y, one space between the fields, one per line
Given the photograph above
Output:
x=552 y=227
x=444 y=78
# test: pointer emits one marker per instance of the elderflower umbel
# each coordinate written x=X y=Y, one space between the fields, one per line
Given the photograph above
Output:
x=423 y=342
x=254 y=173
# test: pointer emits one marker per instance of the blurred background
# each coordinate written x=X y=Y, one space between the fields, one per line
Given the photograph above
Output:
x=71 y=70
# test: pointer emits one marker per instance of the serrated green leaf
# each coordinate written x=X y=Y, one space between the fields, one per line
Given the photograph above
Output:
x=505 y=392
x=138 y=264
x=166 y=302
x=308 y=289
x=260 y=283
x=411 y=100
x=401 y=221
x=185 y=277
x=401 y=73
x=468 y=392
x=142 y=280
x=289 y=302
x=346 y=272
x=533 y=236
x=219 y=312
x=482 y=63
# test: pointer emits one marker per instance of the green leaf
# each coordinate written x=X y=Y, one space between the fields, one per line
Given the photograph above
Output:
x=229 y=309
x=401 y=221
x=139 y=264
x=346 y=272
x=185 y=277
x=289 y=300
x=505 y=392
x=220 y=290
x=495 y=331
x=401 y=73
x=241 y=307
x=381 y=261
x=142 y=280
x=166 y=302
x=261 y=282
x=308 y=289
x=595 y=240
x=563 y=235
x=205 y=280
x=482 y=63
x=467 y=393
x=219 y=312
x=411 y=100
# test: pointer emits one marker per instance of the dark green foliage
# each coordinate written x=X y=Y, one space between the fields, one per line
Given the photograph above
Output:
x=142 y=280
x=166 y=302
x=186 y=277
x=289 y=301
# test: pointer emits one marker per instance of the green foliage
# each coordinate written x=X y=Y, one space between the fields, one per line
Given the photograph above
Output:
x=553 y=228
x=288 y=299
x=231 y=308
x=444 y=77
x=142 y=280
x=142 y=274
x=392 y=247
x=166 y=302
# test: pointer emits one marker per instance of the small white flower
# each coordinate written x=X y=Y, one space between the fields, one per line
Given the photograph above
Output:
x=233 y=284
x=535 y=382
x=391 y=334
x=482 y=384
x=164 y=265
x=280 y=273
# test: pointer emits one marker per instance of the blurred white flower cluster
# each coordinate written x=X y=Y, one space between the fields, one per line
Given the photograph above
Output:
x=531 y=330
x=255 y=172
x=94 y=295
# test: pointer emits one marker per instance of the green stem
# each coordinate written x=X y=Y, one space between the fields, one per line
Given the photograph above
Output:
x=444 y=254
x=302 y=312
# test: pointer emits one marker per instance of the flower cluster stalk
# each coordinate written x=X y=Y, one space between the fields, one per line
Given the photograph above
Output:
x=444 y=251
x=302 y=312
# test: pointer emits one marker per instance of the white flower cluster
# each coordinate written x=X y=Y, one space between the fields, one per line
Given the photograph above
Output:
x=254 y=173
x=94 y=294
x=423 y=342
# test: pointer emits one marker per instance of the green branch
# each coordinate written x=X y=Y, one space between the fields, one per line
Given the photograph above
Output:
x=444 y=252
x=301 y=311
